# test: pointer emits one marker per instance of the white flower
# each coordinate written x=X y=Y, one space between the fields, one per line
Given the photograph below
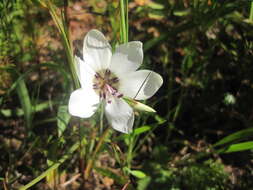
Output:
x=108 y=77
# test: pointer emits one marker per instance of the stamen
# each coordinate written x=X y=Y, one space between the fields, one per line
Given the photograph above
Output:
x=105 y=84
x=97 y=75
x=110 y=89
x=114 y=80
x=95 y=86
x=107 y=72
x=119 y=95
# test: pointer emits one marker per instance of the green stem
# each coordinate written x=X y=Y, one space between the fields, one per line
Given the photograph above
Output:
x=93 y=156
x=26 y=104
x=130 y=151
x=102 y=118
x=251 y=12
x=124 y=38
x=123 y=21
x=127 y=25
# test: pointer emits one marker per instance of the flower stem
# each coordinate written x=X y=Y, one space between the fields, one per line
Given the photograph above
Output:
x=130 y=151
x=101 y=118
x=123 y=21
x=251 y=12
x=93 y=156
x=127 y=25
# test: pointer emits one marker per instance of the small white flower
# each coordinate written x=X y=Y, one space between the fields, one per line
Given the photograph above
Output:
x=108 y=77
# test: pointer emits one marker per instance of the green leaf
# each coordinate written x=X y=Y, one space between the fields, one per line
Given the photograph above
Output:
x=141 y=130
x=235 y=136
x=137 y=131
x=159 y=119
x=63 y=118
x=238 y=147
x=182 y=12
x=144 y=183
x=156 y=15
x=19 y=112
x=52 y=175
x=187 y=63
x=154 y=5
x=137 y=173
x=25 y=102
x=23 y=95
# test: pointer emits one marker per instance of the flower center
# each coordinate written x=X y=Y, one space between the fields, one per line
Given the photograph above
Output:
x=105 y=84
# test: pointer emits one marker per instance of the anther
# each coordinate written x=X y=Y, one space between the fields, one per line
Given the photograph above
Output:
x=119 y=95
x=97 y=75
x=107 y=72
x=114 y=80
x=105 y=84
x=95 y=86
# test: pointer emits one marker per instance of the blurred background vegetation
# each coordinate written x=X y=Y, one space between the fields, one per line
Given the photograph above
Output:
x=200 y=137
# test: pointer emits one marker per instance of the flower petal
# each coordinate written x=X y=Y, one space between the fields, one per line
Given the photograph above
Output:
x=84 y=72
x=83 y=102
x=96 y=50
x=127 y=58
x=120 y=115
x=140 y=85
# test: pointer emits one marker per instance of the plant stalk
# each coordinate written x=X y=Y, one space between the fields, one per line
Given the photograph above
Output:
x=93 y=156
x=123 y=21
x=251 y=12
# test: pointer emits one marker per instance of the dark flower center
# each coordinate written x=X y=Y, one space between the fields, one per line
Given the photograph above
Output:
x=105 y=84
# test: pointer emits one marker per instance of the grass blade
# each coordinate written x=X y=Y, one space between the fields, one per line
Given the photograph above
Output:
x=235 y=136
x=53 y=167
x=238 y=147
x=63 y=118
x=63 y=31
x=25 y=101
x=251 y=12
